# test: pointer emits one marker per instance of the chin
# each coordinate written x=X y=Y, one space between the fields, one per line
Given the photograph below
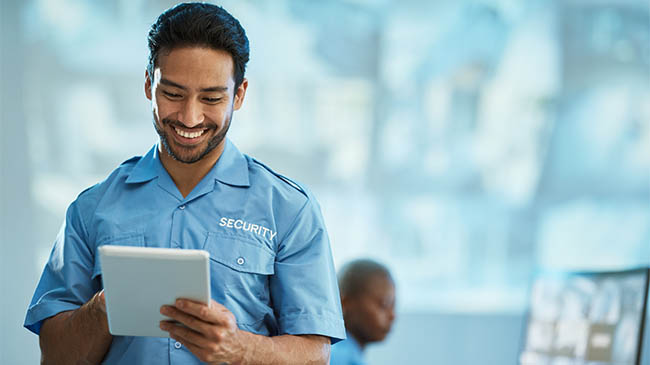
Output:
x=378 y=337
x=382 y=335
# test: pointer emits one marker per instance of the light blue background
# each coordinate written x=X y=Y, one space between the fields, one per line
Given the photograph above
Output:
x=463 y=143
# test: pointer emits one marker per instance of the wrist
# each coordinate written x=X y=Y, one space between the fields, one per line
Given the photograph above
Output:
x=246 y=346
x=97 y=310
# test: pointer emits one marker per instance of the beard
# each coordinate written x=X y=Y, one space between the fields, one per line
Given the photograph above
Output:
x=192 y=154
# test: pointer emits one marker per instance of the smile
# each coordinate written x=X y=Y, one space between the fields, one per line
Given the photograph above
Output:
x=189 y=135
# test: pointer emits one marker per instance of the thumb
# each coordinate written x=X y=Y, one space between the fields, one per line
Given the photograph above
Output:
x=100 y=301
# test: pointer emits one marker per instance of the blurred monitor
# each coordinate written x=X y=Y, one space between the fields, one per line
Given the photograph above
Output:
x=590 y=318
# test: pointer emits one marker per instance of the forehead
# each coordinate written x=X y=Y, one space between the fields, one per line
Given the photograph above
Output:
x=379 y=285
x=196 y=66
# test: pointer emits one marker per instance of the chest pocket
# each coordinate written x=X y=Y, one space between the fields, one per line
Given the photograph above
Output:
x=239 y=274
x=240 y=255
x=135 y=239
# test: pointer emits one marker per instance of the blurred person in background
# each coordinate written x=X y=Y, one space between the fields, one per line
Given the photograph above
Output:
x=368 y=300
x=274 y=290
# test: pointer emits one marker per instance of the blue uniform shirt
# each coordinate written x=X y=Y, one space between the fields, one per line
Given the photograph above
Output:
x=347 y=352
x=270 y=258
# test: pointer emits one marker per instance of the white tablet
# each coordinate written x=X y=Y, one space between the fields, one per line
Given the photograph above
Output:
x=139 y=280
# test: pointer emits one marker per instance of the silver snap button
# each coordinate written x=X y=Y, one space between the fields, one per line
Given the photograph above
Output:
x=181 y=207
x=240 y=261
x=177 y=345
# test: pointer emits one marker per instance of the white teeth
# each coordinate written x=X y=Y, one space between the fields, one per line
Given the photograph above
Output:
x=189 y=135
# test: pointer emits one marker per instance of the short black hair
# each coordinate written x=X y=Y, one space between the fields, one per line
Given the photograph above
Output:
x=201 y=25
x=355 y=276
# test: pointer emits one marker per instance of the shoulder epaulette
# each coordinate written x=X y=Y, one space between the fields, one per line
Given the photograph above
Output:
x=287 y=180
x=87 y=189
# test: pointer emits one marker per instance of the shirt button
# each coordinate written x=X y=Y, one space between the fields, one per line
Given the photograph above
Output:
x=240 y=261
x=181 y=207
x=177 y=345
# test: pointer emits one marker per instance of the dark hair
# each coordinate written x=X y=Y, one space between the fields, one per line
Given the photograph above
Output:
x=355 y=276
x=203 y=25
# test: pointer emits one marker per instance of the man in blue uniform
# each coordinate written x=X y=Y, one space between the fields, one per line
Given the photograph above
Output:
x=275 y=297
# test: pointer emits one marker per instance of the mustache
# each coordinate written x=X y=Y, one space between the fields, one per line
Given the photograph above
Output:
x=178 y=123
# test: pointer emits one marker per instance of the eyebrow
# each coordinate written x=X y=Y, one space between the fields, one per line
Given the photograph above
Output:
x=206 y=89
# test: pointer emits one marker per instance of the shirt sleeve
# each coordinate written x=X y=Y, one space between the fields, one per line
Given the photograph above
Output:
x=304 y=289
x=66 y=282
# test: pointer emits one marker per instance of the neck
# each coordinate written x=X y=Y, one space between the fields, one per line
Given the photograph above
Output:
x=187 y=175
x=362 y=344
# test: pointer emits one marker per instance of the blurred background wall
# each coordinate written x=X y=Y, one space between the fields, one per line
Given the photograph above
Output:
x=465 y=144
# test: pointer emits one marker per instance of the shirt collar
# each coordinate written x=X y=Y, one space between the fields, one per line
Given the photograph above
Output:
x=146 y=168
x=231 y=168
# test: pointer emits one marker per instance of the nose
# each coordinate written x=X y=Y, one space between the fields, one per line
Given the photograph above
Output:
x=391 y=315
x=191 y=113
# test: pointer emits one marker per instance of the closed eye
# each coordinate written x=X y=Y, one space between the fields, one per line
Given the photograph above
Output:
x=212 y=100
x=171 y=95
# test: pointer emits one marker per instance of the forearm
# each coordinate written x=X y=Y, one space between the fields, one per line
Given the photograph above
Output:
x=76 y=337
x=287 y=349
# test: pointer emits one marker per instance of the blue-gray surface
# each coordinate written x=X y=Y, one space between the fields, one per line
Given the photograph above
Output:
x=451 y=339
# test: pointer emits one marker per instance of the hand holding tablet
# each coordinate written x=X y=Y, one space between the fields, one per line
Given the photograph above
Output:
x=138 y=281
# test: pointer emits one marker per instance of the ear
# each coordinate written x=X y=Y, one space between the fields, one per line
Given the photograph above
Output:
x=147 y=84
x=239 y=95
x=345 y=302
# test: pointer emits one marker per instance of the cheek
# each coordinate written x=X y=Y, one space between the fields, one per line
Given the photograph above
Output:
x=382 y=318
x=215 y=116
x=160 y=108
x=219 y=115
x=375 y=318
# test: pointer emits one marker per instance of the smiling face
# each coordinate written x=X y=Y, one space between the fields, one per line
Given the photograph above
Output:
x=193 y=97
x=369 y=315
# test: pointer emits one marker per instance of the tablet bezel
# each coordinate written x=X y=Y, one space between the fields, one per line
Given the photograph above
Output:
x=139 y=280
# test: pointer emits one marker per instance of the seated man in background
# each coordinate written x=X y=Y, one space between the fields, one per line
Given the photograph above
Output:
x=368 y=302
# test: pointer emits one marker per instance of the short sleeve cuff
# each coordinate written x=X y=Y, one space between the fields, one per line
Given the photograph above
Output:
x=41 y=311
x=312 y=324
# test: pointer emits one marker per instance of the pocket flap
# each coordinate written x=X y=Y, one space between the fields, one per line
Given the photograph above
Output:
x=239 y=254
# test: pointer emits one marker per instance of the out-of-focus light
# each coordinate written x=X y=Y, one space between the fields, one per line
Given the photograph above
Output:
x=66 y=16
